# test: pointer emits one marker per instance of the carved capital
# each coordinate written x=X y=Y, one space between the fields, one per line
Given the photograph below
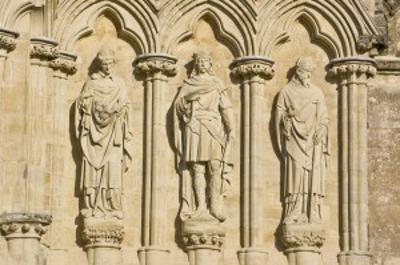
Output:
x=102 y=233
x=150 y=64
x=43 y=49
x=361 y=67
x=253 y=66
x=24 y=225
x=64 y=62
x=309 y=235
x=8 y=39
x=210 y=240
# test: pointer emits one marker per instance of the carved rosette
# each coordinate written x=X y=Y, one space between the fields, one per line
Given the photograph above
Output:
x=150 y=64
x=8 y=39
x=24 y=225
x=64 y=62
x=252 y=66
x=203 y=240
x=362 y=68
x=43 y=49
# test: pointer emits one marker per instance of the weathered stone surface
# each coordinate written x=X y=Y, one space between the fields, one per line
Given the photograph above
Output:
x=47 y=52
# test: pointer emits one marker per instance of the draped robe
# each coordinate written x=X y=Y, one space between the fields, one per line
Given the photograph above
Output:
x=301 y=113
x=102 y=126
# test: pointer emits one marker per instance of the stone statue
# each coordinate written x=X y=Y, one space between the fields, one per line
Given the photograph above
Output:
x=204 y=133
x=302 y=130
x=103 y=128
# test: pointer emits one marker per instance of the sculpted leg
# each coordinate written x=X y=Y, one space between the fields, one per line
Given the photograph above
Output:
x=216 y=207
x=199 y=181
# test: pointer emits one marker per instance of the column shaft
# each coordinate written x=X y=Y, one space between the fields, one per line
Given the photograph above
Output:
x=352 y=74
x=156 y=68
x=252 y=71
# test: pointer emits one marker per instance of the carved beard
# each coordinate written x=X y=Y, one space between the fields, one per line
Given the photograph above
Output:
x=304 y=80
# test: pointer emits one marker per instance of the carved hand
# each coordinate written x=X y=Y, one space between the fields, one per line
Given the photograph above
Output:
x=319 y=134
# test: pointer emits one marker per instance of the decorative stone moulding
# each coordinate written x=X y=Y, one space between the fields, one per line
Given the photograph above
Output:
x=253 y=65
x=103 y=235
x=43 y=49
x=310 y=235
x=203 y=240
x=8 y=39
x=353 y=65
x=24 y=225
x=155 y=63
x=65 y=62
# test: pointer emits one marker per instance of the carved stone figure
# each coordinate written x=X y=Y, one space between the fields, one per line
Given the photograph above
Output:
x=102 y=126
x=204 y=133
x=302 y=130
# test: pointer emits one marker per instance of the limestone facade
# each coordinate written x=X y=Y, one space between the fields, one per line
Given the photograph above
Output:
x=168 y=132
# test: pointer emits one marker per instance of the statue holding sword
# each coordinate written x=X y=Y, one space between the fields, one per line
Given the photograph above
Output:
x=203 y=135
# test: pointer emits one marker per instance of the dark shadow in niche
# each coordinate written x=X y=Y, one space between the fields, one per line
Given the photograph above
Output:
x=141 y=77
x=171 y=127
x=273 y=134
x=77 y=156
x=94 y=67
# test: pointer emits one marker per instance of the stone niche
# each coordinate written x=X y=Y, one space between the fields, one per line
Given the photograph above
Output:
x=50 y=49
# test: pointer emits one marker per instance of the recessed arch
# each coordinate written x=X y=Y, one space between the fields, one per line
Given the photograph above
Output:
x=135 y=23
x=123 y=32
x=338 y=26
x=236 y=28
x=220 y=32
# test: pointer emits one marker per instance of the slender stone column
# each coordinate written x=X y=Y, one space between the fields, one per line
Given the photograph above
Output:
x=156 y=68
x=253 y=72
x=23 y=232
x=352 y=75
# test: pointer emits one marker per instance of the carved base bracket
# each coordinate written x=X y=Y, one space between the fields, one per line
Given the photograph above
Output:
x=354 y=258
x=153 y=255
x=23 y=232
x=102 y=239
x=252 y=256
x=203 y=239
x=303 y=243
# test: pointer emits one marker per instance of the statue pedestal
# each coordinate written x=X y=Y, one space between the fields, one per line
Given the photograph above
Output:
x=252 y=256
x=203 y=238
x=103 y=239
x=23 y=232
x=303 y=243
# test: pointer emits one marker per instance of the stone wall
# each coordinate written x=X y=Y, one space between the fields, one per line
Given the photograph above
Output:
x=50 y=49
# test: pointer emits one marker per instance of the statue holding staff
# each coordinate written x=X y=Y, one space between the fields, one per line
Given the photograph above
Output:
x=302 y=130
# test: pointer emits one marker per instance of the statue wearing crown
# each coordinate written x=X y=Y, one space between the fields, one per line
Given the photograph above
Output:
x=203 y=135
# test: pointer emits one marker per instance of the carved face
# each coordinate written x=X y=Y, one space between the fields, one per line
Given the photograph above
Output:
x=107 y=65
x=203 y=65
x=304 y=76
